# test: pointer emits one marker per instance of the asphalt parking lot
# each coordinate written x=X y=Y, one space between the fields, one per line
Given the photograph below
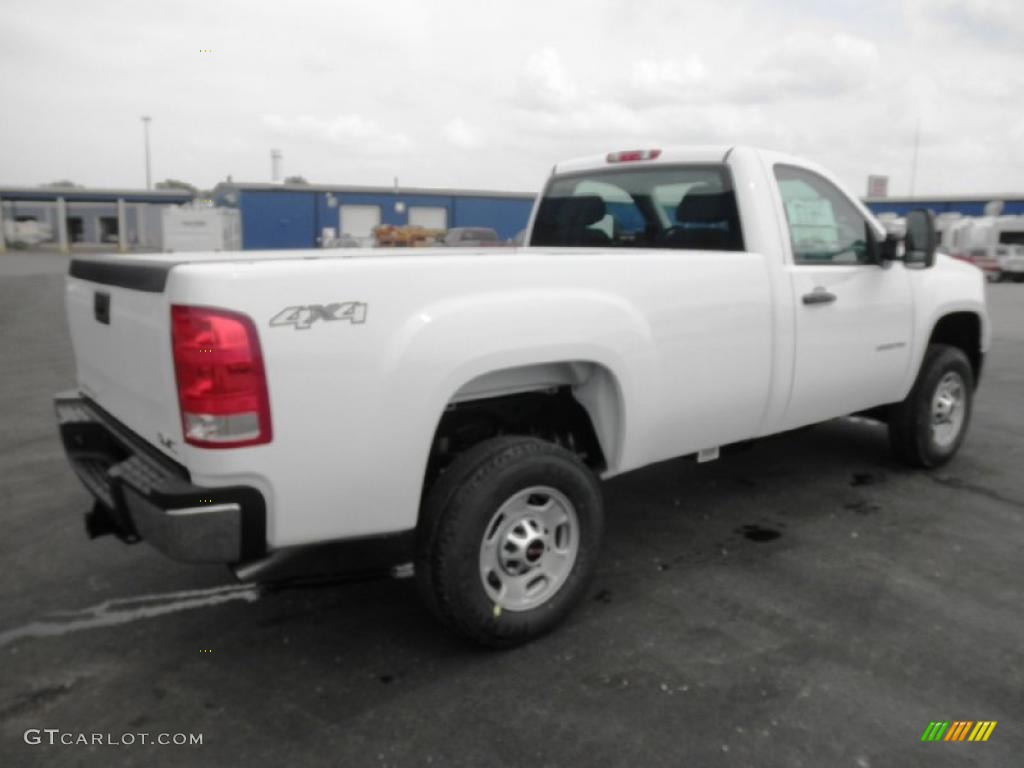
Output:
x=806 y=602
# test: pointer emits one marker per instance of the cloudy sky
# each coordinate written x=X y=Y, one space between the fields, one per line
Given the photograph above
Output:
x=464 y=93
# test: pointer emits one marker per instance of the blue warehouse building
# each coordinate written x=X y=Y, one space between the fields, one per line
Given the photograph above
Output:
x=971 y=205
x=304 y=215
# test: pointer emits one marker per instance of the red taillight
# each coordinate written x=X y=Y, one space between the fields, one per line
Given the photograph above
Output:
x=222 y=387
x=632 y=155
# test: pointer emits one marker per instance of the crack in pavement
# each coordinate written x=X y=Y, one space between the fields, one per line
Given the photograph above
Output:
x=964 y=485
x=36 y=698
x=129 y=609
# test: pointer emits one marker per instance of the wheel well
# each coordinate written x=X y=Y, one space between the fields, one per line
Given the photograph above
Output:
x=553 y=414
x=961 y=330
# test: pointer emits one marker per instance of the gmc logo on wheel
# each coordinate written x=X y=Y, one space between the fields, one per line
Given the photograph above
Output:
x=302 y=317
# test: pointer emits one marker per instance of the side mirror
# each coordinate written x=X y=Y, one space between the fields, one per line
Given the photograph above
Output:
x=921 y=239
x=889 y=248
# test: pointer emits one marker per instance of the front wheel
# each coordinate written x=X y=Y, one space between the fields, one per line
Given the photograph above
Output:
x=927 y=428
x=508 y=539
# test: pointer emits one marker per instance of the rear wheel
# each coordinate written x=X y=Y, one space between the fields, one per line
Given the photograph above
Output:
x=927 y=428
x=508 y=539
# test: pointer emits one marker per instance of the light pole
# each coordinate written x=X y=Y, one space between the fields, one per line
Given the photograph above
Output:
x=145 y=133
x=275 y=165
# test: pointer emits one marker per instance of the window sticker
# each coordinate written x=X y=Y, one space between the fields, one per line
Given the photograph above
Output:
x=810 y=212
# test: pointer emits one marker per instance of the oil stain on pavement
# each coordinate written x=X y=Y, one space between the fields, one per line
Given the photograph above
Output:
x=758 y=533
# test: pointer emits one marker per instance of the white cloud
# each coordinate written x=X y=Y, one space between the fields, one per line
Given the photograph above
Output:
x=658 y=101
x=351 y=131
x=669 y=73
x=462 y=134
x=806 y=65
x=984 y=22
x=654 y=81
x=545 y=84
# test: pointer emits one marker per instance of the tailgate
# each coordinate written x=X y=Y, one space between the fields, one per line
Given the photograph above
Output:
x=119 y=321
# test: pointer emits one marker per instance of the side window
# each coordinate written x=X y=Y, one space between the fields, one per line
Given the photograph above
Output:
x=824 y=226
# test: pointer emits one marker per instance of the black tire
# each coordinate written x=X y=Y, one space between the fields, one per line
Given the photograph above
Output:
x=460 y=506
x=1018 y=278
x=911 y=434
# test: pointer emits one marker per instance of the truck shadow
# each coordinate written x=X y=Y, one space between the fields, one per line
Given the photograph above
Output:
x=673 y=514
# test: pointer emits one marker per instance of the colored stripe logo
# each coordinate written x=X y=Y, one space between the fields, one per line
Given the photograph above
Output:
x=958 y=730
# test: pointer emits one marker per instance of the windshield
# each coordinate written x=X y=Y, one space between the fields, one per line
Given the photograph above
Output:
x=1011 y=238
x=686 y=207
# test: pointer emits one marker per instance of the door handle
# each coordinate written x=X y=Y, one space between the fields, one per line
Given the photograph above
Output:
x=819 y=296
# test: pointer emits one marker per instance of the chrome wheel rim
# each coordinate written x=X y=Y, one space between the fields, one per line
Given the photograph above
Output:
x=529 y=548
x=949 y=404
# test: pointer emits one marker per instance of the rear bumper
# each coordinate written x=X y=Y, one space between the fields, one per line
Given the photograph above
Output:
x=141 y=494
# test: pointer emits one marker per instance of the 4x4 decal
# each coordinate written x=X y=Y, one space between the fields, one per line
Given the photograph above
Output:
x=302 y=317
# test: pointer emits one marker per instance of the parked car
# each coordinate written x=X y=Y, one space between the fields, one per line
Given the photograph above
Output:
x=1010 y=258
x=287 y=415
x=983 y=260
x=335 y=239
x=471 y=236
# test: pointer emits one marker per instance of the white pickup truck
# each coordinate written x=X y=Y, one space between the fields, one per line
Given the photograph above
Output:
x=294 y=413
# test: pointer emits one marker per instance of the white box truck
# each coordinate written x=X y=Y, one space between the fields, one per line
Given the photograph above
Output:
x=201 y=228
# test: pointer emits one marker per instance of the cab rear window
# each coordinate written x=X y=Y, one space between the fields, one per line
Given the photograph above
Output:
x=683 y=207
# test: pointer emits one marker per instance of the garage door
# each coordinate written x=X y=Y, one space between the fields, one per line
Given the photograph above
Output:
x=359 y=220
x=428 y=216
